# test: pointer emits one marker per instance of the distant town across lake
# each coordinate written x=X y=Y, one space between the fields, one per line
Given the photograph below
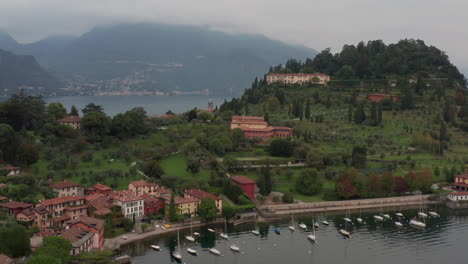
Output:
x=154 y=105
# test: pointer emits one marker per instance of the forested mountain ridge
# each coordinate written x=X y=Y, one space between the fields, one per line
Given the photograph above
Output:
x=150 y=57
x=376 y=60
x=23 y=72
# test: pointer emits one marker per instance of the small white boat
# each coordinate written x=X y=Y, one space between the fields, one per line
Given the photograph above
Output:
x=422 y=214
x=347 y=219
x=316 y=224
x=223 y=235
x=255 y=232
x=434 y=214
x=211 y=230
x=190 y=238
x=311 y=237
x=378 y=218
x=399 y=224
x=325 y=222
x=177 y=256
x=417 y=223
x=192 y=251
x=234 y=248
x=292 y=228
x=387 y=216
x=196 y=234
x=359 y=220
x=303 y=226
x=399 y=214
x=345 y=233
x=215 y=251
x=156 y=247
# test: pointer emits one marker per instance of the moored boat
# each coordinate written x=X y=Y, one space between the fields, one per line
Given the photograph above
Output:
x=278 y=231
x=378 y=218
x=399 y=224
x=215 y=251
x=433 y=214
x=417 y=223
x=192 y=251
x=156 y=247
x=325 y=222
x=234 y=248
x=345 y=233
x=303 y=226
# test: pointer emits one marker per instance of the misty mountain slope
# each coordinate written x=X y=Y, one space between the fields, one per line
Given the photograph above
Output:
x=164 y=57
x=23 y=71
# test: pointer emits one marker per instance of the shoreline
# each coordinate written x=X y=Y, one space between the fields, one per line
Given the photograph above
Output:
x=335 y=207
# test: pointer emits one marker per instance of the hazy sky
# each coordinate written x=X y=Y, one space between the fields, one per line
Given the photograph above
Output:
x=313 y=23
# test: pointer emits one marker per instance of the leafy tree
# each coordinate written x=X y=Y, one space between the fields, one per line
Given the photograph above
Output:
x=359 y=114
x=192 y=114
x=265 y=182
x=346 y=73
x=127 y=224
x=74 y=111
x=28 y=154
x=153 y=169
x=172 y=210
x=56 y=111
x=288 y=197
x=96 y=257
x=96 y=125
x=281 y=148
x=207 y=209
x=407 y=101
x=44 y=259
x=205 y=116
x=314 y=159
x=401 y=187
x=388 y=183
x=130 y=124
x=92 y=108
x=9 y=143
x=273 y=104
x=22 y=111
x=359 y=156
x=307 y=109
x=310 y=182
x=193 y=165
x=232 y=191
x=14 y=240
x=238 y=139
x=58 y=247
x=375 y=186
x=345 y=188
x=230 y=163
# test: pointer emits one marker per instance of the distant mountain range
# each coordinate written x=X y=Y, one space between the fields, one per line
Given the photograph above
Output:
x=23 y=72
x=157 y=57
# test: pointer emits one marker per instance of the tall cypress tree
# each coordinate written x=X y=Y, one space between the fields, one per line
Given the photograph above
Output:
x=373 y=113
x=307 y=110
x=172 y=210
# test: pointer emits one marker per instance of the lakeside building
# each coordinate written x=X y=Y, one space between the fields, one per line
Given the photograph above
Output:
x=153 y=204
x=71 y=121
x=200 y=195
x=256 y=127
x=300 y=78
x=93 y=225
x=60 y=205
x=461 y=182
x=458 y=196
x=377 y=97
x=66 y=188
x=81 y=239
x=247 y=185
x=130 y=204
x=185 y=206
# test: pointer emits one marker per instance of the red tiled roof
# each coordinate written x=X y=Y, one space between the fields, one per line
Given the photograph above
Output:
x=61 y=200
x=143 y=183
x=181 y=200
x=161 y=190
x=299 y=74
x=199 y=194
x=9 y=167
x=70 y=119
x=3 y=198
x=64 y=184
x=27 y=212
x=15 y=205
x=242 y=180
x=102 y=187
x=460 y=184
x=463 y=176
x=4 y=259
x=75 y=234
x=102 y=211
x=458 y=193
x=71 y=208
x=89 y=221
x=124 y=196
x=62 y=218
x=92 y=197
x=2 y=185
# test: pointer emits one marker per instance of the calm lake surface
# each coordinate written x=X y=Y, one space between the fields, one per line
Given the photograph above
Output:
x=154 y=105
x=442 y=241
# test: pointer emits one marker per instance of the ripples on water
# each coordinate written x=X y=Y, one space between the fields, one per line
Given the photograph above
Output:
x=441 y=241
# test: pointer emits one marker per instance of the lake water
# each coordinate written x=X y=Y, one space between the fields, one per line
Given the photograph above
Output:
x=443 y=240
x=154 y=105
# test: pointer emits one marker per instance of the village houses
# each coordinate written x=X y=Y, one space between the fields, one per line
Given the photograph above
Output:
x=60 y=205
x=299 y=78
x=185 y=206
x=131 y=205
x=256 y=127
x=66 y=188
x=200 y=195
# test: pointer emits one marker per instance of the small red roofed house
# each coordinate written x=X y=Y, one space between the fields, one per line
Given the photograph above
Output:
x=15 y=207
x=377 y=97
x=93 y=225
x=247 y=184
x=142 y=187
x=461 y=182
x=71 y=121
x=200 y=195
x=256 y=127
x=10 y=170
x=37 y=216
x=66 y=188
x=99 y=188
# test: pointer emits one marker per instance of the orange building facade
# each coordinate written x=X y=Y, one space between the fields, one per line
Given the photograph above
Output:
x=256 y=127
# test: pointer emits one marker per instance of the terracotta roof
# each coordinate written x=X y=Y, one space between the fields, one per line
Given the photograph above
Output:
x=99 y=202
x=4 y=259
x=161 y=190
x=71 y=208
x=102 y=211
x=41 y=210
x=61 y=200
x=15 y=205
x=102 y=187
x=2 y=185
x=3 y=198
x=64 y=184
x=151 y=197
x=463 y=176
x=460 y=184
x=181 y=200
x=89 y=221
x=458 y=193
x=199 y=194
x=142 y=183
x=92 y=197
x=260 y=118
x=27 y=212
x=242 y=180
x=124 y=196
x=9 y=167
x=62 y=218
x=70 y=119
x=77 y=235
x=299 y=74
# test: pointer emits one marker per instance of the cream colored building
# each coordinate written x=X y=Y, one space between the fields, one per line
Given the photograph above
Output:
x=132 y=206
x=142 y=187
x=71 y=121
x=300 y=78
x=65 y=188
x=184 y=206
x=253 y=122
x=200 y=195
